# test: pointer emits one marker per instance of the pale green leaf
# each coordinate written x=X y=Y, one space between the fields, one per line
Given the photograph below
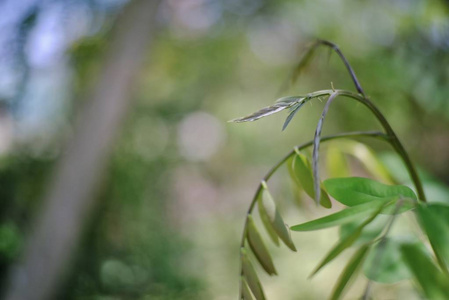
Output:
x=303 y=177
x=268 y=207
x=259 y=249
x=246 y=292
x=250 y=276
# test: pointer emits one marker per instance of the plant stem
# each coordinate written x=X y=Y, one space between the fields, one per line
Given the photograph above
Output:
x=394 y=140
x=373 y=134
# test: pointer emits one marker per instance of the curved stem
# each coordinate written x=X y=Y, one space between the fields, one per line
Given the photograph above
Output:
x=394 y=140
x=373 y=134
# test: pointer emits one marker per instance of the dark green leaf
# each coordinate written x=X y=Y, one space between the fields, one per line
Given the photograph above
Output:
x=384 y=262
x=250 y=276
x=341 y=217
x=437 y=229
x=246 y=293
x=260 y=250
x=348 y=273
x=303 y=177
x=352 y=191
x=432 y=281
x=268 y=207
x=293 y=110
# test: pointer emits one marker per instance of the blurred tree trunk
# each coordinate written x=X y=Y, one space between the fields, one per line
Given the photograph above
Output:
x=70 y=198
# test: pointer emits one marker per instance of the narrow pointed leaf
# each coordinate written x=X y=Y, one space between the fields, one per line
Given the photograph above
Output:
x=246 y=292
x=432 y=281
x=349 y=272
x=303 y=174
x=266 y=111
x=347 y=241
x=292 y=113
x=437 y=230
x=268 y=207
x=341 y=217
x=352 y=191
x=316 y=149
x=251 y=277
x=260 y=250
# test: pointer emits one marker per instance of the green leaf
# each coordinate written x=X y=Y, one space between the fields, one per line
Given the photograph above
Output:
x=260 y=250
x=384 y=262
x=348 y=273
x=370 y=231
x=352 y=191
x=432 y=281
x=337 y=165
x=346 y=241
x=246 y=293
x=251 y=277
x=266 y=220
x=341 y=217
x=436 y=228
x=303 y=177
x=268 y=207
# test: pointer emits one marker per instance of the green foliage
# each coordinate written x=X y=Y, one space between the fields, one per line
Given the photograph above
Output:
x=370 y=208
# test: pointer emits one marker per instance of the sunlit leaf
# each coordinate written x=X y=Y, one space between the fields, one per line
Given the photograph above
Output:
x=337 y=165
x=268 y=208
x=260 y=250
x=384 y=262
x=341 y=217
x=303 y=174
x=250 y=276
x=346 y=241
x=352 y=191
x=246 y=292
x=437 y=229
x=349 y=272
x=432 y=280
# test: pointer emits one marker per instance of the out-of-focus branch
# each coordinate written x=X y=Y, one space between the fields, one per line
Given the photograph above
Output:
x=57 y=230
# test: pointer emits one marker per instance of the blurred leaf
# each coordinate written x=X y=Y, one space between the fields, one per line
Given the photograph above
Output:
x=433 y=282
x=260 y=250
x=348 y=273
x=341 y=217
x=303 y=175
x=10 y=241
x=268 y=208
x=385 y=264
x=337 y=166
x=251 y=277
x=346 y=241
x=370 y=231
x=352 y=191
x=246 y=293
x=436 y=228
x=368 y=158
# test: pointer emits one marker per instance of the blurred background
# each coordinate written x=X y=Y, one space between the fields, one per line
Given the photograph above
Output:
x=170 y=207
